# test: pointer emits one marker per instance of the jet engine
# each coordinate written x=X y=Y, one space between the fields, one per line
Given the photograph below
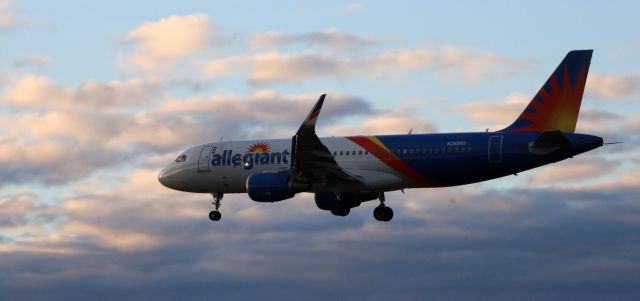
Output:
x=273 y=187
x=328 y=200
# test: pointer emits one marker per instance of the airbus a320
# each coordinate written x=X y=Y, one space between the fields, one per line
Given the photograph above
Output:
x=344 y=172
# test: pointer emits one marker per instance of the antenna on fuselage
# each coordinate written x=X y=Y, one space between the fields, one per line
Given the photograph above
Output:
x=411 y=130
x=221 y=138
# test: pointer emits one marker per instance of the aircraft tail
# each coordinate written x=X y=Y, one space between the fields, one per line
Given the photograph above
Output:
x=557 y=104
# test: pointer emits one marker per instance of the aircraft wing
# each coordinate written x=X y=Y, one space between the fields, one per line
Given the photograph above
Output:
x=311 y=159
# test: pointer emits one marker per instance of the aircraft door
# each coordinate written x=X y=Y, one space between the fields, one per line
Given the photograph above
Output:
x=495 y=149
x=204 y=163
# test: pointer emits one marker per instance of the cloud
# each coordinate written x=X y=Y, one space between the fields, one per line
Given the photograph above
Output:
x=63 y=134
x=599 y=120
x=264 y=111
x=31 y=61
x=331 y=38
x=6 y=13
x=496 y=115
x=586 y=167
x=398 y=121
x=355 y=6
x=158 y=45
x=272 y=66
x=612 y=86
x=37 y=92
x=502 y=241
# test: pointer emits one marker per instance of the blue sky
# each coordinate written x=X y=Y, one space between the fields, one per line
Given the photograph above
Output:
x=95 y=98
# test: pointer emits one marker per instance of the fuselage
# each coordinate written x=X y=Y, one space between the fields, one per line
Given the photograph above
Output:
x=384 y=163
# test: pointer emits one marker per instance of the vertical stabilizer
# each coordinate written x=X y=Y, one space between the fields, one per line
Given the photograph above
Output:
x=557 y=104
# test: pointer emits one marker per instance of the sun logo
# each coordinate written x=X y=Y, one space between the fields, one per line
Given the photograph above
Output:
x=259 y=147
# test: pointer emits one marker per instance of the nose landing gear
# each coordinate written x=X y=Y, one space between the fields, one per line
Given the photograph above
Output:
x=215 y=215
x=382 y=212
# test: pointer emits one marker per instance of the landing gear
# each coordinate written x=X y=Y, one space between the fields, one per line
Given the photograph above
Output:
x=382 y=213
x=340 y=209
x=215 y=215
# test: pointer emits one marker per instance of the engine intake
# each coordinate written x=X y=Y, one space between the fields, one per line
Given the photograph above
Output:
x=273 y=187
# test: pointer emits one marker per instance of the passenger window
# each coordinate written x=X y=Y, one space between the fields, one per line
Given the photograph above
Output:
x=366 y=153
x=347 y=153
x=360 y=153
x=340 y=153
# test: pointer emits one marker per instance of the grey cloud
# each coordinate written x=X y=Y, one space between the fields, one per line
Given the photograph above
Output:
x=66 y=145
x=330 y=38
x=612 y=86
x=503 y=244
x=32 y=61
x=471 y=64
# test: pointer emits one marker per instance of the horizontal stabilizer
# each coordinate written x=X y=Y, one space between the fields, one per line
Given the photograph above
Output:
x=548 y=141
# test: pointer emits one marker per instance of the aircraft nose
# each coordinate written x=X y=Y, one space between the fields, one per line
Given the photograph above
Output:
x=165 y=178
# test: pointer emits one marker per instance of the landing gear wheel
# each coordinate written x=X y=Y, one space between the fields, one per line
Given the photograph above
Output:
x=340 y=209
x=383 y=213
x=215 y=216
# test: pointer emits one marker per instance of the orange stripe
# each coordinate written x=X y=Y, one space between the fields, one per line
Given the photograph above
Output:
x=314 y=115
x=373 y=145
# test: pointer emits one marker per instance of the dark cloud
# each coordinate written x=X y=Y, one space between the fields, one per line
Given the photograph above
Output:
x=497 y=244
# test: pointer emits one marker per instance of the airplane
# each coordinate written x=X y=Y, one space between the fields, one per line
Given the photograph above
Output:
x=344 y=172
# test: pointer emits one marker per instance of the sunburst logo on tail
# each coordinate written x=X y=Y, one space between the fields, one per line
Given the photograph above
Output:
x=259 y=147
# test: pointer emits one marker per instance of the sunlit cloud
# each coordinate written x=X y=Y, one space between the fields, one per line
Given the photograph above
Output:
x=6 y=13
x=612 y=86
x=38 y=92
x=355 y=6
x=394 y=122
x=273 y=66
x=159 y=44
x=496 y=115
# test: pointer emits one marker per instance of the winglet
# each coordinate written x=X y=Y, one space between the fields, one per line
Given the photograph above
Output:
x=310 y=121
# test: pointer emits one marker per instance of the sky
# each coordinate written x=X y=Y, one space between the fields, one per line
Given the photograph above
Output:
x=97 y=97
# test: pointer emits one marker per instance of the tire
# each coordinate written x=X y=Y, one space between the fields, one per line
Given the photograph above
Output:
x=379 y=213
x=215 y=216
x=340 y=209
x=388 y=214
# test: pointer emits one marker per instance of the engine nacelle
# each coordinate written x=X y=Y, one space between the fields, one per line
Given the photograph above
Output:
x=271 y=187
x=326 y=200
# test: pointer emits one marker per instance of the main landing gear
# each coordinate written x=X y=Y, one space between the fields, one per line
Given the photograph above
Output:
x=215 y=215
x=382 y=212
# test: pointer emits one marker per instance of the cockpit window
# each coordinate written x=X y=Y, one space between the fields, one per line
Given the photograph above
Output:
x=181 y=158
